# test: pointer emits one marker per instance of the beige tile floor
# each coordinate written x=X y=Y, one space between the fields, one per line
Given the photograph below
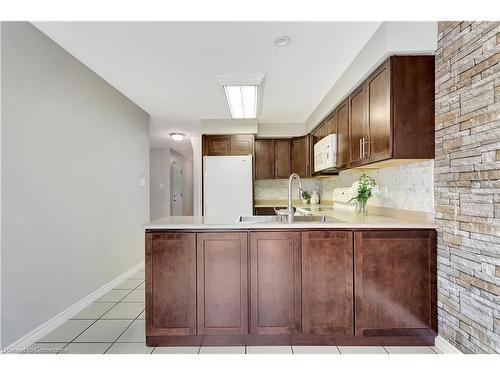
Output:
x=114 y=324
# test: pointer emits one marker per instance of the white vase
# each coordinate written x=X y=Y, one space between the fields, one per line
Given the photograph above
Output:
x=314 y=197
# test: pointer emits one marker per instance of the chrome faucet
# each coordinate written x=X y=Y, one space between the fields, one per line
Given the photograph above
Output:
x=289 y=211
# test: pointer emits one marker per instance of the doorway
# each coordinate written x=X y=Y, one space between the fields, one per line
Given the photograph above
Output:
x=175 y=189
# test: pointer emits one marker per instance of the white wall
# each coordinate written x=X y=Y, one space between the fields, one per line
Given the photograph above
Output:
x=161 y=159
x=279 y=129
x=231 y=126
x=73 y=153
x=197 y=175
x=391 y=38
x=160 y=183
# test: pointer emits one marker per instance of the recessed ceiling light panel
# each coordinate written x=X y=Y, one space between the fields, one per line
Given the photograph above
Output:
x=242 y=101
x=243 y=94
x=282 y=41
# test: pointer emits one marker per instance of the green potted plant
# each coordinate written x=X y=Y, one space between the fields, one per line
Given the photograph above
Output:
x=365 y=188
x=306 y=197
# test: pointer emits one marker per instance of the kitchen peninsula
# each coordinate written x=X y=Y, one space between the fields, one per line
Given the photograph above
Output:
x=311 y=277
x=337 y=279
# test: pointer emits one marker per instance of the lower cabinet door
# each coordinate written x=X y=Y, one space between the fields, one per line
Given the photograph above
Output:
x=327 y=283
x=222 y=283
x=170 y=284
x=275 y=296
x=395 y=283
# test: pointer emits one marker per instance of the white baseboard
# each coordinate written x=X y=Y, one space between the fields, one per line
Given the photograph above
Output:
x=51 y=324
x=445 y=347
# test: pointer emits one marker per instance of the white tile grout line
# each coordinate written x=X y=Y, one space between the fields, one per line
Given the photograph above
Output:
x=121 y=334
x=50 y=325
x=136 y=318
x=100 y=318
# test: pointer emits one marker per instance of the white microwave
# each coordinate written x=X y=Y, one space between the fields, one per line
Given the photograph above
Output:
x=325 y=153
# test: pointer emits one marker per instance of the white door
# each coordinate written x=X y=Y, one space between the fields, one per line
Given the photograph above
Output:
x=175 y=189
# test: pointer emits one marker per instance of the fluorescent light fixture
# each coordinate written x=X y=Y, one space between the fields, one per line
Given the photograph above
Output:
x=177 y=136
x=243 y=94
x=242 y=101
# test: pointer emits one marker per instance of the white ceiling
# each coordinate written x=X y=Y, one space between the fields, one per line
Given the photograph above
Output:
x=169 y=68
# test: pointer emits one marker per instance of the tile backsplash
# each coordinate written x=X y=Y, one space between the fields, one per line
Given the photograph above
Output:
x=278 y=189
x=409 y=187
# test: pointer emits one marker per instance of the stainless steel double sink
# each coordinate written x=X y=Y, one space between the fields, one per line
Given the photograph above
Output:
x=283 y=219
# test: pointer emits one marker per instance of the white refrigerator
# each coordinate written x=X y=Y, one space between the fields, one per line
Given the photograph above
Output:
x=227 y=186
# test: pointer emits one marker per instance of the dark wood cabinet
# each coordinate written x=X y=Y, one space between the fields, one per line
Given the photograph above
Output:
x=389 y=116
x=218 y=146
x=342 y=135
x=291 y=287
x=395 y=283
x=358 y=126
x=264 y=158
x=327 y=127
x=242 y=145
x=327 y=283
x=222 y=283
x=272 y=158
x=170 y=284
x=330 y=126
x=378 y=88
x=282 y=158
x=266 y=211
x=413 y=84
x=225 y=145
x=275 y=279
x=301 y=156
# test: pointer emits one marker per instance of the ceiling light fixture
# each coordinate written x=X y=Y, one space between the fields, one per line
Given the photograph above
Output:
x=282 y=41
x=177 y=136
x=243 y=94
x=242 y=100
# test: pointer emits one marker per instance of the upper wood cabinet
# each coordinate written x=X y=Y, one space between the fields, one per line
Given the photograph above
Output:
x=170 y=284
x=395 y=283
x=282 y=158
x=222 y=283
x=264 y=158
x=378 y=90
x=301 y=156
x=225 y=145
x=275 y=283
x=412 y=99
x=391 y=115
x=272 y=158
x=342 y=135
x=327 y=283
x=327 y=127
x=358 y=126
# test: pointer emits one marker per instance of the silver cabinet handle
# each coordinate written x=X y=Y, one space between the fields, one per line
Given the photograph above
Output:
x=365 y=143
x=361 y=148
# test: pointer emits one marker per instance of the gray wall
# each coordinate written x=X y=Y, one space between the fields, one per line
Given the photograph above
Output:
x=73 y=152
x=160 y=183
x=161 y=158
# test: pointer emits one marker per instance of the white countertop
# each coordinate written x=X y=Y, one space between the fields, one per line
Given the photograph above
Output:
x=380 y=219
